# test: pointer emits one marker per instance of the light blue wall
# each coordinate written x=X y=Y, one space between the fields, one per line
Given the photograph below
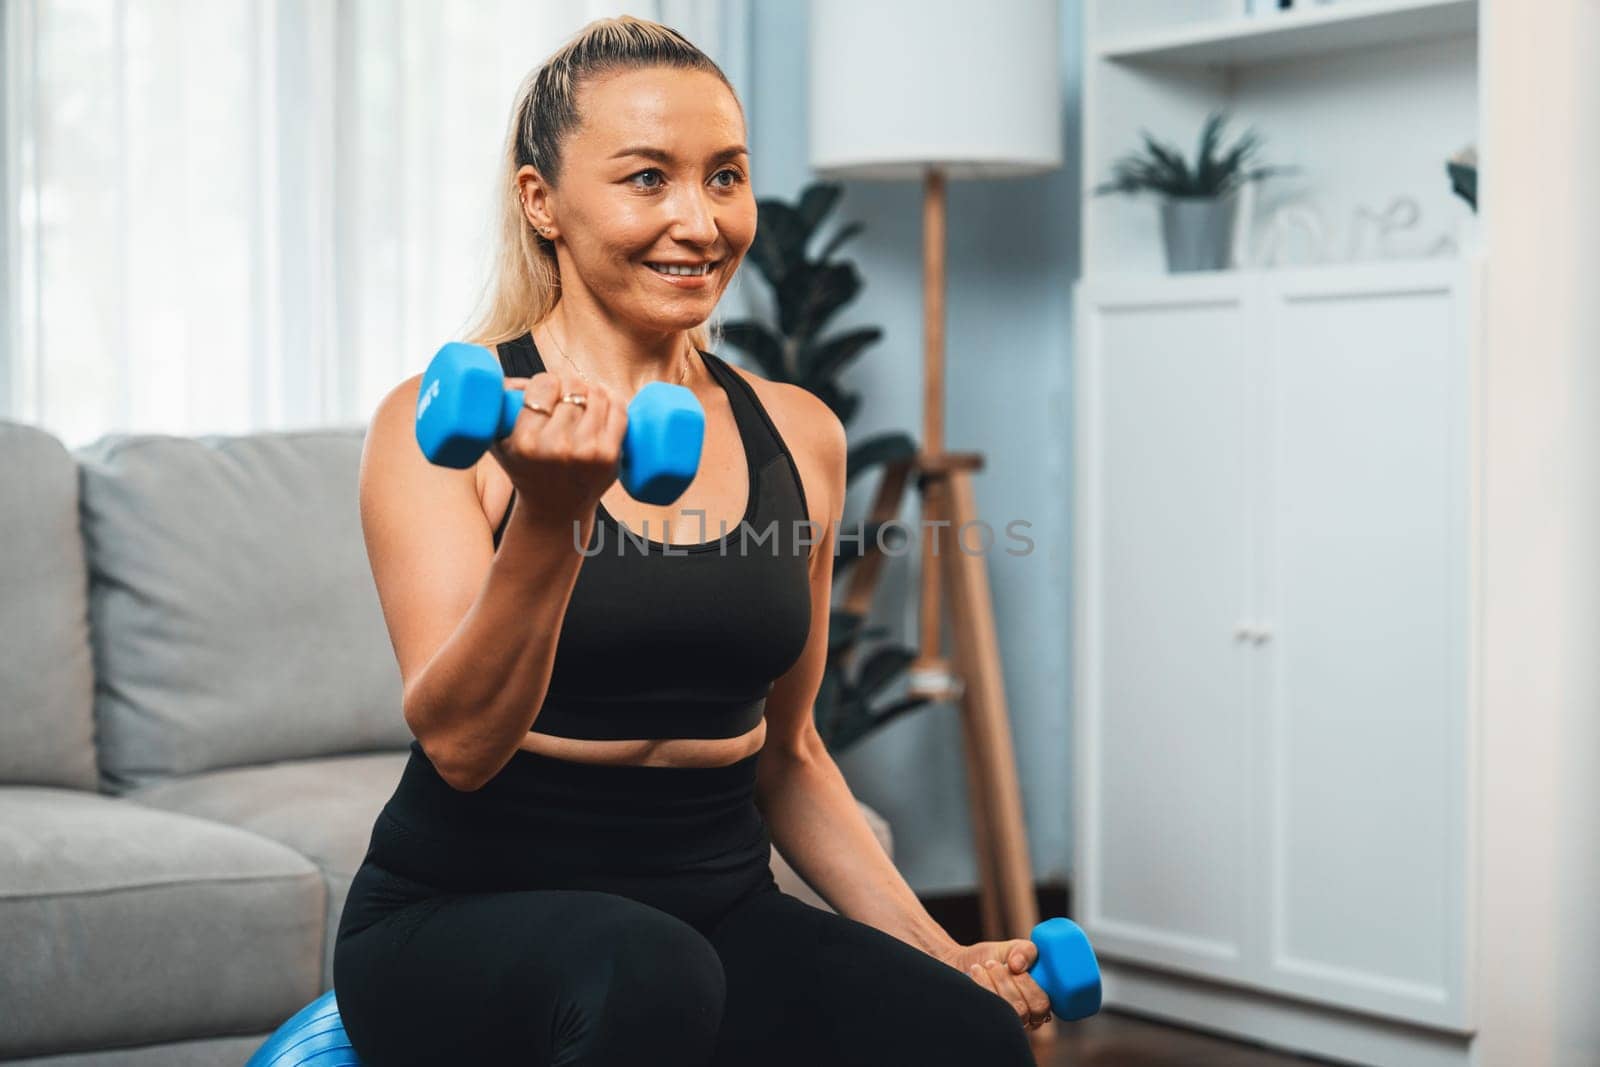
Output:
x=1013 y=255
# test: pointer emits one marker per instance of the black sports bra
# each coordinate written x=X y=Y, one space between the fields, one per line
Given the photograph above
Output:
x=666 y=641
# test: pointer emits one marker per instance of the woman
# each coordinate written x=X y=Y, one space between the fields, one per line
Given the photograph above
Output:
x=610 y=736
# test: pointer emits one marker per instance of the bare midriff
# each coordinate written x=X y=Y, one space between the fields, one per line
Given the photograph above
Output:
x=651 y=752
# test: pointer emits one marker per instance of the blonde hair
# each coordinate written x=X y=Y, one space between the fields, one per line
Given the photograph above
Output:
x=524 y=284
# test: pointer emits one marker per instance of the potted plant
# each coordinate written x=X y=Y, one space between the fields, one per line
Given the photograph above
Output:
x=1199 y=203
x=1463 y=171
x=806 y=293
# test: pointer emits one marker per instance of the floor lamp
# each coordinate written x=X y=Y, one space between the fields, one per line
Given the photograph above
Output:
x=931 y=91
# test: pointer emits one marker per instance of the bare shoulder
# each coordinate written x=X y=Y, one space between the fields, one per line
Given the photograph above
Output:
x=391 y=439
x=802 y=417
x=393 y=418
x=813 y=433
x=403 y=395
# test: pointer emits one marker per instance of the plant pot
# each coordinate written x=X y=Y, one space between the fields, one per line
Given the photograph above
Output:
x=1198 y=232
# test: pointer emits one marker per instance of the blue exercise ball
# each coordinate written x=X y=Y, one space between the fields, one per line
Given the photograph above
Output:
x=313 y=1037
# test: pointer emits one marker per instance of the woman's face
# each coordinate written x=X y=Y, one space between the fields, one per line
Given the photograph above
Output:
x=657 y=173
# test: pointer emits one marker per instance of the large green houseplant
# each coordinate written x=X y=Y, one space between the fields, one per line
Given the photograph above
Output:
x=806 y=292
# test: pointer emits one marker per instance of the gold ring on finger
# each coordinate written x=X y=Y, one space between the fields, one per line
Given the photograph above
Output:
x=576 y=399
x=533 y=405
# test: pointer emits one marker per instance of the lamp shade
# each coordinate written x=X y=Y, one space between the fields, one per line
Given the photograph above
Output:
x=898 y=86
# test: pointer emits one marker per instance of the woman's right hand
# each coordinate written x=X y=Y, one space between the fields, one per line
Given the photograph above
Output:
x=563 y=462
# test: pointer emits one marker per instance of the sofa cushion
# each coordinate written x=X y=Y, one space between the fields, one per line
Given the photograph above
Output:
x=124 y=925
x=235 y=618
x=208 y=1052
x=46 y=675
x=323 y=809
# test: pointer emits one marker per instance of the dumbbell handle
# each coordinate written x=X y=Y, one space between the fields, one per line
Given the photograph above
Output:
x=464 y=406
x=510 y=408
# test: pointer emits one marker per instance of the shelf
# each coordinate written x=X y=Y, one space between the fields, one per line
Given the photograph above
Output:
x=1375 y=275
x=1313 y=31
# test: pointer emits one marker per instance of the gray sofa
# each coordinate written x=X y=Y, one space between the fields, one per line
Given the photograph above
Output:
x=199 y=721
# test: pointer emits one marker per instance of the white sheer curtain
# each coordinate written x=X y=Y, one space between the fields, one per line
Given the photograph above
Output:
x=232 y=215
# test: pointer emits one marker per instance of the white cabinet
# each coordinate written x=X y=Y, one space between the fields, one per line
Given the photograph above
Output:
x=1166 y=520
x=1273 y=647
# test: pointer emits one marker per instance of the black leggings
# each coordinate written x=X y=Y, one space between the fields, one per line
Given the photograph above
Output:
x=571 y=913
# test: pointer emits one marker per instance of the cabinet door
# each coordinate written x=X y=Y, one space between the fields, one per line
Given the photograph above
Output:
x=1165 y=416
x=1365 y=590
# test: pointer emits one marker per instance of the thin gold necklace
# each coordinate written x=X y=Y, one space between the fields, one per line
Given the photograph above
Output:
x=551 y=329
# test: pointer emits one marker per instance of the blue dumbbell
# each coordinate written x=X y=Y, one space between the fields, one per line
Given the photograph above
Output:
x=463 y=404
x=1066 y=968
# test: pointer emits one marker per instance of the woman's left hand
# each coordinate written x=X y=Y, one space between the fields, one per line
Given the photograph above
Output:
x=1002 y=968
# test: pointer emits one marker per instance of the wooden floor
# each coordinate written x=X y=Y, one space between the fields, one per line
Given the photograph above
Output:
x=1110 y=1039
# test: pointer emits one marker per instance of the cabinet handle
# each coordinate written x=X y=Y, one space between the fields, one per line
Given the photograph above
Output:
x=1263 y=634
x=1244 y=632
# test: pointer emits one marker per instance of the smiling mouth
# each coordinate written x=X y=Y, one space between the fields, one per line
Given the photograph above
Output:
x=676 y=271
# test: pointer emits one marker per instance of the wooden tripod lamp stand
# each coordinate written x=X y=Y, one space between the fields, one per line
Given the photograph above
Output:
x=901 y=90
